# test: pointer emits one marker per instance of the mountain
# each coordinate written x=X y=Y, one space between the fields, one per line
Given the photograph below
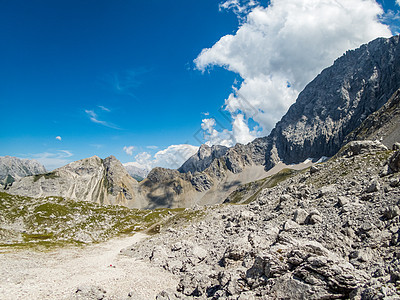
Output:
x=336 y=102
x=136 y=171
x=91 y=179
x=13 y=168
x=382 y=125
x=203 y=158
x=330 y=232
x=329 y=108
x=332 y=106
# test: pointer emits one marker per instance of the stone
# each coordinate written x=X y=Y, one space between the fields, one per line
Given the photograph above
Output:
x=300 y=216
x=314 y=170
x=363 y=147
x=327 y=190
x=391 y=212
x=373 y=186
x=90 y=292
x=199 y=253
x=290 y=225
x=394 y=162
x=342 y=201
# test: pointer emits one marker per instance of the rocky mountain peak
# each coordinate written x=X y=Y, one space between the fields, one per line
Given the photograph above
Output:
x=90 y=179
x=336 y=102
x=13 y=168
x=203 y=158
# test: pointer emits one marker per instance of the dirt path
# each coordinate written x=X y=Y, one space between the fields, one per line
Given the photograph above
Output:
x=58 y=274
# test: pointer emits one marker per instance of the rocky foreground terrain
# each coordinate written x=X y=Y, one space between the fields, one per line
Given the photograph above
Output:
x=331 y=231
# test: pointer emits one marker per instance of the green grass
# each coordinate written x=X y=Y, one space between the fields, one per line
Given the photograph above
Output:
x=239 y=195
x=55 y=221
x=50 y=175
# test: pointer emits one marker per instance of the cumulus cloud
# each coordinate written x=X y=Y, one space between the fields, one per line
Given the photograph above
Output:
x=129 y=150
x=277 y=50
x=172 y=157
x=58 y=138
x=53 y=160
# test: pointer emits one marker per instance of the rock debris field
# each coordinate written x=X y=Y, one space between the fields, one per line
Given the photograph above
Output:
x=327 y=232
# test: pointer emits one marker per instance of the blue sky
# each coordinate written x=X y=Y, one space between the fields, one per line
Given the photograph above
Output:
x=83 y=78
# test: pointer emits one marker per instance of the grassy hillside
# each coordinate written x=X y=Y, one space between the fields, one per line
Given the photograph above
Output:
x=51 y=221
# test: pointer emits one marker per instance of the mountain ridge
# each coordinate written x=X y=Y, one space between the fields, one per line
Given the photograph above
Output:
x=14 y=168
x=330 y=107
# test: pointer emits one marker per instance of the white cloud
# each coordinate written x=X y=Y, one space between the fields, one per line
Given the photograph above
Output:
x=58 y=138
x=53 y=160
x=129 y=150
x=278 y=49
x=398 y=2
x=95 y=119
x=152 y=147
x=104 y=108
x=214 y=137
x=239 y=7
x=172 y=157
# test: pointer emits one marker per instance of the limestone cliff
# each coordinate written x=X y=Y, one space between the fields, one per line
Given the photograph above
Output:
x=91 y=179
x=13 y=168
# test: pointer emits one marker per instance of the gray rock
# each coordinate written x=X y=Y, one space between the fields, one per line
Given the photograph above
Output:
x=373 y=186
x=394 y=162
x=199 y=253
x=300 y=216
x=362 y=147
x=90 y=292
x=391 y=212
x=203 y=158
x=342 y=201
x=290 y=225
x=314 y=170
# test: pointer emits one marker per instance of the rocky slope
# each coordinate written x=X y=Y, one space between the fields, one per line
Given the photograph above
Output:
x=203 y=158
x=13 y=168
x=329 y=232
x=334 y=104
x=383 y=124
x=91 y=179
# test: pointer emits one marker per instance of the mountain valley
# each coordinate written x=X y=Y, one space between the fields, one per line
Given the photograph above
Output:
x=311 y=211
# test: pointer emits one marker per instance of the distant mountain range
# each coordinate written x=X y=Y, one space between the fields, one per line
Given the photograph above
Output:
x=13 y=168
x=136 y=171
x=344 y=102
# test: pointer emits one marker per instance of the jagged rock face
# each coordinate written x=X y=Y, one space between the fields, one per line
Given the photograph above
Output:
x=382 y=125
x=330 y=234
x=336 y=102
x=12 y=168
x=203 y=158
x=90 y=179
